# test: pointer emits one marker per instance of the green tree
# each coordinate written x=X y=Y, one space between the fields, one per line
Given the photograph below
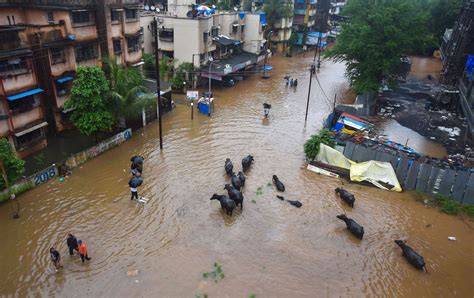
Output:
x=149 y=65
x=313 y=144
x=443 y=15
x=14 y=167
x=127 y=95
x=179 y=78
x=378 y=34
x=276 y=10
x=88 y=98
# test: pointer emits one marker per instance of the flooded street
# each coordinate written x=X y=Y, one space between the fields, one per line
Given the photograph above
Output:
x=271 y=249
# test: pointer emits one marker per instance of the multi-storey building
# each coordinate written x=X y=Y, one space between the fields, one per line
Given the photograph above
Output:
x=304 y=19
x=456 y=48
x=42 y=42
x=221 y=35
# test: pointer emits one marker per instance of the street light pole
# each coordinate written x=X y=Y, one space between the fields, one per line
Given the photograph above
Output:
x=158 y=87
x=210 y=65
x=193 y=76
x=266 y=55
x=309 y=92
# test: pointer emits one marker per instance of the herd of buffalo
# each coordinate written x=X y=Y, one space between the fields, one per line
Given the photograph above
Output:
x=236 y=198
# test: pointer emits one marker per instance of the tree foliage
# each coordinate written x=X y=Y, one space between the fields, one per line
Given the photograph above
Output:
x=88 y=98
x=14 y=167
x=179 y=78
x=313 y=144
x=127 y=95
x=378 y=34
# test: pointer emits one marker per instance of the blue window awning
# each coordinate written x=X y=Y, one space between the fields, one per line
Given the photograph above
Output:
x=24 y=94
x=64 y=79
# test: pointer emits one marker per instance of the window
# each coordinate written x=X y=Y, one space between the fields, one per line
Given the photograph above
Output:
x=57 y=55
x=117 y=46
x=81 y=17
x=166 y=34
x=24 y=104
x=133 y=44
x=131 y=14
x=205 y=36
x=14 y=66
x=115 y=16
x=27 y=139
x=85 y=52
x=235 y=27
x=50 y=17
x=63 y=88
x=214 y=32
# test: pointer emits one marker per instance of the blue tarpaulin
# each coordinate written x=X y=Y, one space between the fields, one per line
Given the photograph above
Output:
x=24 y=94
x=64 y=79
x=263 y=18
x=242 y=15
x=469 y=66
x=267 y=67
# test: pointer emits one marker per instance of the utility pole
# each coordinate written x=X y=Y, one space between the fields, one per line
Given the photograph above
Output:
x=158 y=87
x=309 y=93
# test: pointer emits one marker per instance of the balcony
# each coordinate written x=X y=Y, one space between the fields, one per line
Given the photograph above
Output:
x=60 y=4
x=17 y=78
x=12 y=38
x=27 y=117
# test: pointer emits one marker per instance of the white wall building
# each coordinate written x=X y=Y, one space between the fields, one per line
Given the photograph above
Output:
x=183 y=38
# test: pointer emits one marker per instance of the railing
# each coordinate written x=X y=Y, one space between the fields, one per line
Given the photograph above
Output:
x=55 y=3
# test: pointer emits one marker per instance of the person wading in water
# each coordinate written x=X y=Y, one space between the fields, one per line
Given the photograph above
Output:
x=83 y=250
x=72 y=244
x=55 y=258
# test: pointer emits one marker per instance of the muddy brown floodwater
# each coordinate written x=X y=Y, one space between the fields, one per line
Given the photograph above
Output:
x=271 y=249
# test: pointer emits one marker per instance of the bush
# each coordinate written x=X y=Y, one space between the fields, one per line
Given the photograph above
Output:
x=452 y=207
x=14 y=167
x=312 y=145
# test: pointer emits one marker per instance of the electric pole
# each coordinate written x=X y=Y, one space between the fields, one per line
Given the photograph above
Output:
x=158 y=87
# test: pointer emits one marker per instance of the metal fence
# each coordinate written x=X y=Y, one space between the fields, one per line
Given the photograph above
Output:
x=423 y=177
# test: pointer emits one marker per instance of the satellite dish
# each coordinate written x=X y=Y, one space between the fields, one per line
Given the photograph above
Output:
x=152 y=7
x=235 y=9
x=227 y=65
x=213 y=6
x=147 y=7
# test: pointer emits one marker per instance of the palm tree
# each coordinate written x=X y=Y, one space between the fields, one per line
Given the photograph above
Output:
x=127 y=97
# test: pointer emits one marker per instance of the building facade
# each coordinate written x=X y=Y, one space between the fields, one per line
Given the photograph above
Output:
x=41 y=46
x=195 y=40
x=457 y=49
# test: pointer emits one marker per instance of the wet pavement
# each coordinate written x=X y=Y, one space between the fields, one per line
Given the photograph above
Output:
x=271 y=248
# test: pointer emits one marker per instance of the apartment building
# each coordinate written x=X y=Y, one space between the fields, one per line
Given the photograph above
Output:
x=457 y=51
x=42 y=42
x=232 y=37
x=304 y=19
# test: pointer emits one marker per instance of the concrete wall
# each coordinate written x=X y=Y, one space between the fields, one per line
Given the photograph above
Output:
x=73 y=161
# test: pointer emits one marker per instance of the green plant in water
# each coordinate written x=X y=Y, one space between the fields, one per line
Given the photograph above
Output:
x=39 y=159
x=447 y=205
x=259 y=191
x=203 y=295
x=313 y=144
x=252 y=296
x=253 y=201
x=215 y=274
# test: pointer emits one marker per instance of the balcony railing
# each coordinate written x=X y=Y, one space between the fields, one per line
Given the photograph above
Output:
x=50 y=3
